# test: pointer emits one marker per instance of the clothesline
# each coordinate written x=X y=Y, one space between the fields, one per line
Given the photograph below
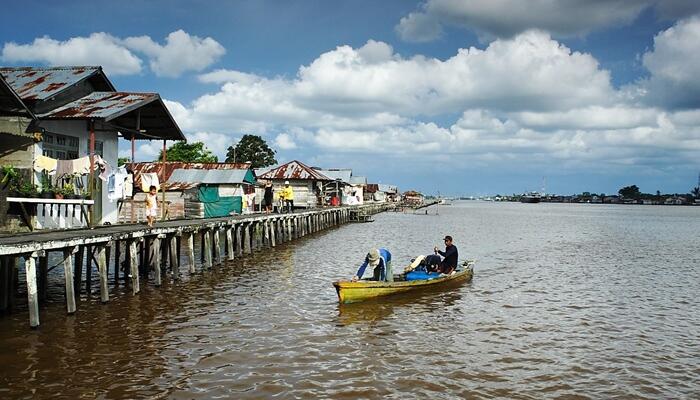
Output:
x=78 y=166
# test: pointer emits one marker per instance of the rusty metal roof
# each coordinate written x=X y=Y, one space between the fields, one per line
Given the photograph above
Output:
x=170 y=166
x=40 y=83
x=120 y=110
x=102 y=105
x=10 y=103
x=294 y=170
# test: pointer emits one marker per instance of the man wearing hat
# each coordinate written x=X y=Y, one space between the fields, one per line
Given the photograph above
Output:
x=380 y=260
x=288 y=196
x=449 y=262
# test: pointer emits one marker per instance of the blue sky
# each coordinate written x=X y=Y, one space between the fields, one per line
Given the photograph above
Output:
x=473 y=97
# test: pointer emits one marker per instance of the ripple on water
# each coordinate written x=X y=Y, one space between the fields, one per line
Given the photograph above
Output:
x=568 y=301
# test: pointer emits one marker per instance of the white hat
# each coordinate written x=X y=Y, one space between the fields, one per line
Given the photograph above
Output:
x=373 y=257
x=286 y=182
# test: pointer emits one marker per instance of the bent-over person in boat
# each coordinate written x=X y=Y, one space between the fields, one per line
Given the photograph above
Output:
x=380 y=260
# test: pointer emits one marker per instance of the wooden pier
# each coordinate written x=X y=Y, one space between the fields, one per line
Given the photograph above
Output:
x=138 y=250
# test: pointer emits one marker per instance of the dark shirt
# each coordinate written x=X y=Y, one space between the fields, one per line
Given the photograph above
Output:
x=450 y=255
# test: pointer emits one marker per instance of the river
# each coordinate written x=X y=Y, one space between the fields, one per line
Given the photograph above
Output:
x=568 y=300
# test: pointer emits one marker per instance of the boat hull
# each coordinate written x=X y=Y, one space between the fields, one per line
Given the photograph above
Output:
x=353 y=292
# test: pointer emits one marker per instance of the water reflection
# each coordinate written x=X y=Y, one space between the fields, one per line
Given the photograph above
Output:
x=375 y=310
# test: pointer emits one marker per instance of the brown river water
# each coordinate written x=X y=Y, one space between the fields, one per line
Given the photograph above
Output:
x=567 y=301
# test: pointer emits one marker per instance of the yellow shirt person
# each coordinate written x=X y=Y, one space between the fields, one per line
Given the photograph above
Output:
x=287 y=194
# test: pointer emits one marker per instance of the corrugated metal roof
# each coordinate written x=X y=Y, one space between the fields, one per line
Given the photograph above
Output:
x=170 y=166
x=10 y=103
x=39 y=83
x=358 y=180
x=211 y=176
x=102 y=105
x=388 y=188
x=294 y=170
x=344 y=175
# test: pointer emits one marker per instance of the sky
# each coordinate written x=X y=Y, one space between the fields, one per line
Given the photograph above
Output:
x=460 y=97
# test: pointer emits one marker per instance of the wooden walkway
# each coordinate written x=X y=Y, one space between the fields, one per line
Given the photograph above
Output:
x=139 y=249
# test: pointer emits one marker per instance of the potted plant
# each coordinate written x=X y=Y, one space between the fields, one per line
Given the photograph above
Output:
x=68 y=191
x=57 y=193
x=84 y=194
x=46 y=187
x=27 y=189
x=10 y=179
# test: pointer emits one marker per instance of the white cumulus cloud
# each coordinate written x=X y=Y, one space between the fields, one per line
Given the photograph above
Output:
x=181 y=52
x=96 y=49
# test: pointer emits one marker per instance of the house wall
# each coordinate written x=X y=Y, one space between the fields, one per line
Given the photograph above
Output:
x=15 y=150
x=105 y=210
x=304 y=192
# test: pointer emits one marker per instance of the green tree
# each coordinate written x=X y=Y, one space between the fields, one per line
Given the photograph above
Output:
x=188 y=152
x=252 y=149
x=630 y=192
x=696 y=192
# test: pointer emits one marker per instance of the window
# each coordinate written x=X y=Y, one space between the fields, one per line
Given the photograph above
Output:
x=61 y=147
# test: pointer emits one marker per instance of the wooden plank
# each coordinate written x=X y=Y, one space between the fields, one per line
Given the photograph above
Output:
x=68 y=275
x=134 y=265
x=32 y=295
x=102 y=270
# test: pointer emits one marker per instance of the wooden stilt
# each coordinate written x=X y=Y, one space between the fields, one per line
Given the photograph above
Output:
x=207 y=249
x=154 y=260
x=174 y=259
x=77 y=276
x=134 y=265
x=108 y=257
x=247 y=240
x=239 y=239
x=68 y=274
x=189 y=240
x=117 y=260
x=88 y=270
x=32 y=295
x=229 y=243
x=102 y=270
x=43 y=277
x=217 y=246
x=273 y=231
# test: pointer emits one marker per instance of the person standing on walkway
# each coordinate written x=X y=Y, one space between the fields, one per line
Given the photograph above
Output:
x=268 y=197
x=380 y=260
x=151 y=206
x=288 y=196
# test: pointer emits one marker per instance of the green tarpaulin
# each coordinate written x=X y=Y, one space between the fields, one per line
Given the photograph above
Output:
x=215 y=206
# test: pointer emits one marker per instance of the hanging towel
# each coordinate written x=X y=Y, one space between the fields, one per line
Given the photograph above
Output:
x=102 y=166
x=81 y=166
x=129 y=185
x=43 y=163
x=149 y=179
x=64 y=167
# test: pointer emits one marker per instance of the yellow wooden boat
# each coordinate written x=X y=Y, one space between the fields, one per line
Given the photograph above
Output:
x=352 y=292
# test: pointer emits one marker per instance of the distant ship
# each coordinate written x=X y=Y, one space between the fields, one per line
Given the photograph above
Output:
x=530 y=197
